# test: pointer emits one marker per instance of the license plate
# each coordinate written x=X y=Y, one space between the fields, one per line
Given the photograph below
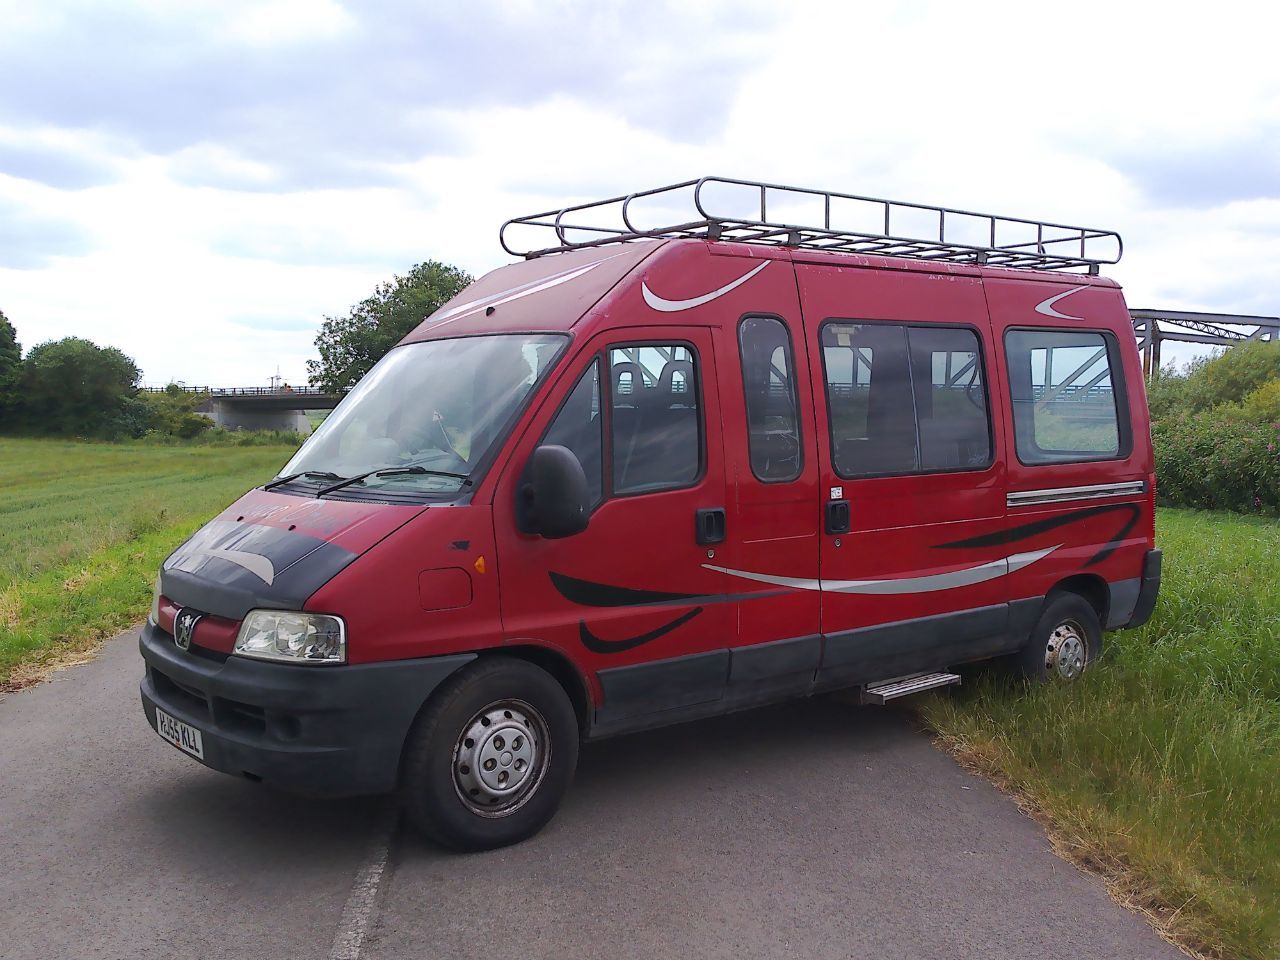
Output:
x=181 y=735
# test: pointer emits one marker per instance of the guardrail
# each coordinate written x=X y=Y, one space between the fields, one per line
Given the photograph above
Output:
x=247 y=391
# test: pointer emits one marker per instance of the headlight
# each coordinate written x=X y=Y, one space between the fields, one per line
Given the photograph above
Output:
x=292 y=637
x=154 y=615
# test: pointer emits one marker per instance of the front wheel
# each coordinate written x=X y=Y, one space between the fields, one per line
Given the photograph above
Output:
x=1063 y=642
x=490 y=758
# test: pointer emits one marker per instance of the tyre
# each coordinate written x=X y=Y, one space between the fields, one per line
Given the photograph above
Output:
x=491 y=755
x=1064 y=641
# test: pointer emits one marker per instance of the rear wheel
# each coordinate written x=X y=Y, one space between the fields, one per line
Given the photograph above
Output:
x=1063 y=642
x=491 y=756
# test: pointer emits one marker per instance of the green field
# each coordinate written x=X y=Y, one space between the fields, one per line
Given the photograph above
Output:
x=1161 y=769
x=84 y=526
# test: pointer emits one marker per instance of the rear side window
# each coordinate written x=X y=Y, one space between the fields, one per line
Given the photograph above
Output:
x=905 y=399
x=657 y=427
x=773 y=422
x=1063 y=385
x=578 y=427
x=951 y=398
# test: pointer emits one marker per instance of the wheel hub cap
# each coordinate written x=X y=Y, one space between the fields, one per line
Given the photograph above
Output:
x=1066 y=652
x=500 y=757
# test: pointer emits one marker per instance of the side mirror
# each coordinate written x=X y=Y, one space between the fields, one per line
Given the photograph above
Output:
x=555 y=499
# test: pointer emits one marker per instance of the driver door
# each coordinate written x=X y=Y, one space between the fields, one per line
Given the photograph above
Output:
x=628 y=598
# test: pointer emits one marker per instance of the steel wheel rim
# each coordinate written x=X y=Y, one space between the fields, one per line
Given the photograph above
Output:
x=501 y=757
x=1067 y=652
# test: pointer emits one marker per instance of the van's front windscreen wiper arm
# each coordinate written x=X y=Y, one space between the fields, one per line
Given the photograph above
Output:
x=391 y=472
x=280 y=481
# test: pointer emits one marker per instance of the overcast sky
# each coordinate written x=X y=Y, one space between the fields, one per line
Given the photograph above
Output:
x=200 y=183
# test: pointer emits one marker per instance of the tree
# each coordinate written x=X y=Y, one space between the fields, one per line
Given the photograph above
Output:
x=75 y=387
x=10 y=370
x=350 y=345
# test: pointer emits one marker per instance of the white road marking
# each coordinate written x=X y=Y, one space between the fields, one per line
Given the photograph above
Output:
x=357 y=913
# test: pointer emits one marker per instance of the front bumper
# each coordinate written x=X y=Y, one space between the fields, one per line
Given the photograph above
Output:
x=331 y=731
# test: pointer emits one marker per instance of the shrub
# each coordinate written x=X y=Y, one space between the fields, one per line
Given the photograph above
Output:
x=1218 y=460
x=1263 y=404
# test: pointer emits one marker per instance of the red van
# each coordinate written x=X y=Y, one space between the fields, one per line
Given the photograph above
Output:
x=651 y=474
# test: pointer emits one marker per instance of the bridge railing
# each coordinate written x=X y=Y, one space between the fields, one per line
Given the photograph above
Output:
x=246 y=391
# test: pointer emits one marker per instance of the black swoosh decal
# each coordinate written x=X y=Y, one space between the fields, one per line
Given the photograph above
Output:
x=597 y=645
x=1027 y=530
x=587 y=593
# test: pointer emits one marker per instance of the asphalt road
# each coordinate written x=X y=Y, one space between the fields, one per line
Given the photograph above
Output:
x=811 y=830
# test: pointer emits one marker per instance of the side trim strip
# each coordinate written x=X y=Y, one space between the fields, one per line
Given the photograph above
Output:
x=1093 y=491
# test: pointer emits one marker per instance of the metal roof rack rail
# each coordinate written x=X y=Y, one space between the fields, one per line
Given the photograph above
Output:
x=747 y=211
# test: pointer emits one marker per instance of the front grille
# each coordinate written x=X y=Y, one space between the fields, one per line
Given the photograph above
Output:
x=180 y=694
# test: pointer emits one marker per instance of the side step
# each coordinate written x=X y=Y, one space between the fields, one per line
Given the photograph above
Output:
x=884 y=692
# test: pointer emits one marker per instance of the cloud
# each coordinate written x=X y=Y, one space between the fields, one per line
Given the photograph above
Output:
x=31 y=240
x=323 y=99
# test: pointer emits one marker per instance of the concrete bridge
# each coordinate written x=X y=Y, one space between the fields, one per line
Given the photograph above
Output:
x=260 y=408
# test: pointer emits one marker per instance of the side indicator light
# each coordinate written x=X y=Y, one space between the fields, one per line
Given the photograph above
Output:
x=479 y=564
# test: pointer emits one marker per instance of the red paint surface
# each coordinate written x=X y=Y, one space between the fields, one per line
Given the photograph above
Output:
x=647 y=542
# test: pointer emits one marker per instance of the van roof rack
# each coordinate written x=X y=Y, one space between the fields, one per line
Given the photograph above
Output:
x=747 y=211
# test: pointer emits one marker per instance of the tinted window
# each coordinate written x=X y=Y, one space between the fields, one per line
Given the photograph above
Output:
x=869 y=395
x=773 y=425
x=1064 y=401
x=656 y=427
x=951 y=398
x=577 y=426
x=905 y=399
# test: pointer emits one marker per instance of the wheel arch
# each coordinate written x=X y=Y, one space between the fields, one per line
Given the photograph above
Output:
x=562 y=670
x=1091 y=588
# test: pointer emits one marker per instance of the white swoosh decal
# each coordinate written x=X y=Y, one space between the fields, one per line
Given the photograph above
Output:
x=255 y=563
x=925 y=584
x=1045 y=307
x=672 y=306
x=515 y=293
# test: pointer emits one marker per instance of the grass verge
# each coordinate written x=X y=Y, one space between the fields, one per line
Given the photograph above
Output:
x=1161 y=769
x=83 y=529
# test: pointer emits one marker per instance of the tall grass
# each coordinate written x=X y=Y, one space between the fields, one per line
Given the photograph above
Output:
x=83 y=527
x=1163 y=765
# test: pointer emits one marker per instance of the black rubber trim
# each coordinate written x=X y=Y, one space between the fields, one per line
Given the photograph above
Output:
x=767 y=661
x=1150 y=590
x=646 y=688
x=331 y=731
x=1124 y=600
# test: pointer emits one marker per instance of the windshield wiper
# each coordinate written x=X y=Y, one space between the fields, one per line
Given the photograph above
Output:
x=391 y=472
x=326 y=474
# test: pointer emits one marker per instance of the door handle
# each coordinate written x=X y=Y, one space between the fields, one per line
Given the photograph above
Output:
x=711 y=525
x=837 y=516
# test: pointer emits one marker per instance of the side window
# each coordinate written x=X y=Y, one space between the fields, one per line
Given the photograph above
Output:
x=950 y=397
x=1064 y=398
x=773 y=424
x=868 y=377
x=578 y=427
x=656 y=425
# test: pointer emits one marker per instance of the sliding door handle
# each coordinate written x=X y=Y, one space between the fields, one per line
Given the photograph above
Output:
x=711 y=525
x=837 y=518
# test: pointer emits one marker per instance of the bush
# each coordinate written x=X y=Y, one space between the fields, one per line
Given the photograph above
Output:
x=1218 y=460
x=1263 y=405
x=1229 y=377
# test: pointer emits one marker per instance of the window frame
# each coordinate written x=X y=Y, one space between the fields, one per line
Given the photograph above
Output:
x=1119 y=391
x=596 y=358
x=611 y=492
x=992 y=457
x=795 y=396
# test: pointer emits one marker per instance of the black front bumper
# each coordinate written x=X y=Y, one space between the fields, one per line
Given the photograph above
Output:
x=331 y=731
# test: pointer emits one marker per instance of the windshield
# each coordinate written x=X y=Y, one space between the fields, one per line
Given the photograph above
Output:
x=439 y=405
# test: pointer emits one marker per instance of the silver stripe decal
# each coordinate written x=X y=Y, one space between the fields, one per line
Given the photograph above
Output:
x=672 y=306
x=1095 y=491
x=928 y=583
x=255 y=563
x=1045 y=307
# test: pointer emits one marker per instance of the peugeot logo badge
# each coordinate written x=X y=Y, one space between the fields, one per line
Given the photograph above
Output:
x=184 y=625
